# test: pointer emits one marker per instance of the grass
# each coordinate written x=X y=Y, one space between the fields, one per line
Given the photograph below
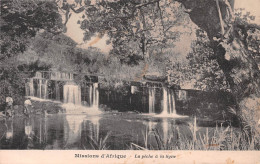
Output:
x=97 y=143
x=223 y=138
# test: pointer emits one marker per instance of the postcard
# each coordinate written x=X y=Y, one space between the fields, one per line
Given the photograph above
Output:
x=130 y=81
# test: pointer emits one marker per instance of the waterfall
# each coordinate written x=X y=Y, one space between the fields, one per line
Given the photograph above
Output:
x=95 y=95
x=168 y=102
x=173 y=108
x=27 y=88
x=151 y=100
x=39 y=89
x=71 y=76
x=90 y=95
x=165 y=102
x=31 y=87
x=133 y=89
x=72 y=94
x=45 y=89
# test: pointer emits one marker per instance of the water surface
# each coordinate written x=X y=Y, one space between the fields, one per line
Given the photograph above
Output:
x=81 y=131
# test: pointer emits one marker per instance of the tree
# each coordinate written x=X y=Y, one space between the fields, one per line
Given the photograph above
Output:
x=201 y=71
x=20 y=21
x=134 y=27
x=228 y=36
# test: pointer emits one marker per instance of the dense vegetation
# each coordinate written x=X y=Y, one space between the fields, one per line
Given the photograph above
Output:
x=143 y=35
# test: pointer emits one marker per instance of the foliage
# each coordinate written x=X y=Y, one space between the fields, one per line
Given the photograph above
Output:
x=202 y=69
x=133 y=27
x=12 y=84
x=20 y=21
x=248 y=116
x=220 y=138
x=97 y=143
x=203 y=66
x=251 y=36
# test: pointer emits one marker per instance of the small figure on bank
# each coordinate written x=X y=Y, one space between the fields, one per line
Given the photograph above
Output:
x=9 y=106
x=27 y=107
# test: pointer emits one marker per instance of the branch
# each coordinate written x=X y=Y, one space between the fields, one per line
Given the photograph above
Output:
x=79 y=10
x=160 y=11
x=145 y=4
x=247 y=26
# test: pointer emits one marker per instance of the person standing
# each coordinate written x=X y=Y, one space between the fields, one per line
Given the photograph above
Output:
x=9 y=106
x=27 y=107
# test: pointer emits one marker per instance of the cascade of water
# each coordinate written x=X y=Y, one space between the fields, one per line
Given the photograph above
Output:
x=57 y=90
x=173 y=108
x=168 y=102
x=39 y=92
x=133 y=89
x=27 y=88
x=90 y=95
x=151 y=100
x=95 y=95
x=71 y=76
x=31 y=87
x=72 y=94
x=45 y=89
x=165 y=102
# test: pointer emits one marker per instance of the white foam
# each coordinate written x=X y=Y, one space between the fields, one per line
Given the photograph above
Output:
x=149 y=114
x=170 y=115
x=79 y=109
x=42 y=100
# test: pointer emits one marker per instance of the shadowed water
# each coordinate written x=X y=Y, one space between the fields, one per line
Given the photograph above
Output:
x=65 y=131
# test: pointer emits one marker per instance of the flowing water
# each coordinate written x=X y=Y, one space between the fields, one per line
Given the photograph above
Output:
x=92 y=113
x=72 y=94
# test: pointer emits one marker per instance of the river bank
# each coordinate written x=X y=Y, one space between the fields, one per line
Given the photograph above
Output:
x=39 y=107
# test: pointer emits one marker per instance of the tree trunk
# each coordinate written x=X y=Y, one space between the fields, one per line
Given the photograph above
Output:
x=240 y=69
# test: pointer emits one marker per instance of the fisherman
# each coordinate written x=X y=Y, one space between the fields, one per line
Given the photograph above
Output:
x=9 y=106
x=27 y=106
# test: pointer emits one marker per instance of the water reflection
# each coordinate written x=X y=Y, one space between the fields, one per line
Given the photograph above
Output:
x=92 y=125
x=28 y=127
x=10 y=130
x=72 y=130
x=165 y=128
x=91 y=133
x=86 y=131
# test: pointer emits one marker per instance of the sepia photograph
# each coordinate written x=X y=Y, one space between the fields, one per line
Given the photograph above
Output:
x=139 y=75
